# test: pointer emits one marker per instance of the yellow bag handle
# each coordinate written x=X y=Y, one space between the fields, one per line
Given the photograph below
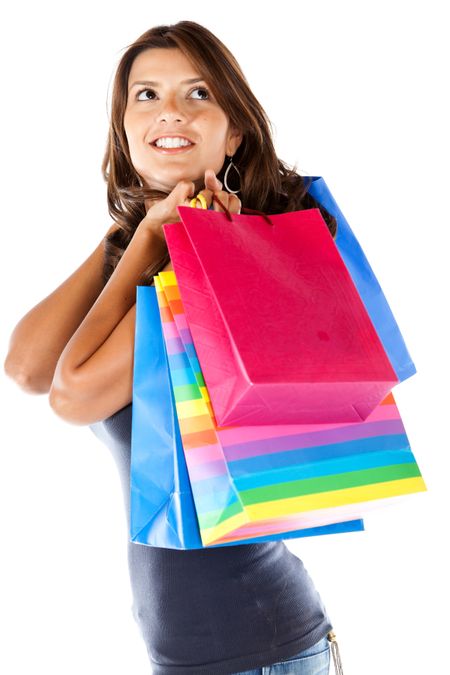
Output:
x=201 y=198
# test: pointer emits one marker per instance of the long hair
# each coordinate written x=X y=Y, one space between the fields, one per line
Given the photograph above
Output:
x=266 y=182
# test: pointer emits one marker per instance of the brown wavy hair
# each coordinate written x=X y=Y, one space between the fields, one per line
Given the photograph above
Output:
x=266 y=183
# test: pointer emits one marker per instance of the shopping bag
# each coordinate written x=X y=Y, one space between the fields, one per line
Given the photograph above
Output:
x=366 y=282
x=281 y=331
x=162 y=510
x=257 y=479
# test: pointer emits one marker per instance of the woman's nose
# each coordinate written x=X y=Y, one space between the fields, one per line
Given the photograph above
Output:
x=170 y=109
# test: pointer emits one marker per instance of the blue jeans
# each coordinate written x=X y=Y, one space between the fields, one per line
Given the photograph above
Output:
x=312 y=661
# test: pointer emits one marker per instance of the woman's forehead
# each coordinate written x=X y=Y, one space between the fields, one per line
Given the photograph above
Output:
x=156 y=63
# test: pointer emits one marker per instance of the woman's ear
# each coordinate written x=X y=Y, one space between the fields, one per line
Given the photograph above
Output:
x=234 y=140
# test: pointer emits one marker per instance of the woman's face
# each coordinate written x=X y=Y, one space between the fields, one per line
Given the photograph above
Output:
x=161 y=103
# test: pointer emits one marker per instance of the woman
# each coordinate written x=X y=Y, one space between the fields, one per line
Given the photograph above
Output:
x=231 y=609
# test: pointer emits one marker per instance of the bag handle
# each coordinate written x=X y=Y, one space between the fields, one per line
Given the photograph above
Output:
x=230 y=218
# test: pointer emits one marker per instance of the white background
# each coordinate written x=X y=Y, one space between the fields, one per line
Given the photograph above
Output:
x=356 y=92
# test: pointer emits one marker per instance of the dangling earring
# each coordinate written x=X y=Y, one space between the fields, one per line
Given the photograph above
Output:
x=231 y=164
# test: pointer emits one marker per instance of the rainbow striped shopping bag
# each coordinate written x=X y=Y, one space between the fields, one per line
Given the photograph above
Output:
x=162 y=508
x=254 y=480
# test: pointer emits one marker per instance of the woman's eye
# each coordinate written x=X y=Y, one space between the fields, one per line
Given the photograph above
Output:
x=146 y=98
x=141 y=91
x=201 y=89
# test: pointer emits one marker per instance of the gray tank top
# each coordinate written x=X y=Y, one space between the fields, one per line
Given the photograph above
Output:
x=215 y=611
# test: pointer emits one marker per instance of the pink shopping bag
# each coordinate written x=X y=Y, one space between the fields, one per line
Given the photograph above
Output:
x=280 y=330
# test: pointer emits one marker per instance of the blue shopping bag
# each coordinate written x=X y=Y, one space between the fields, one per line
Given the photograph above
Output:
x=365 y=281
x=162 y=509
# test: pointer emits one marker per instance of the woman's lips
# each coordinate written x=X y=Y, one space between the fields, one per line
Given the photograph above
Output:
x=173 y=151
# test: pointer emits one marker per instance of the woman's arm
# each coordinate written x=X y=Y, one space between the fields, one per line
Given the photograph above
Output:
x=94 y=375
x=40 y=336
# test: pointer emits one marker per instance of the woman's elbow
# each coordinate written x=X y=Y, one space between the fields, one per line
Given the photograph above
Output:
x=28 y=381
x=59 y=404
x=66 y=407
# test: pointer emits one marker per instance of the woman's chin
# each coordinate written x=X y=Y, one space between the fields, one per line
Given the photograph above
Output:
x=167 y=183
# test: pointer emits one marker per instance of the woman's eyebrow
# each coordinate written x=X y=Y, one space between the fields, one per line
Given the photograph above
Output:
x=157 y=84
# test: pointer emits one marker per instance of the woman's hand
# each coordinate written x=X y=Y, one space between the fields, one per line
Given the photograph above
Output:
x=165 y=210
x=214 y=186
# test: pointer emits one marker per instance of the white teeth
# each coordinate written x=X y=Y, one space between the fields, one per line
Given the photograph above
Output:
x=172 y=142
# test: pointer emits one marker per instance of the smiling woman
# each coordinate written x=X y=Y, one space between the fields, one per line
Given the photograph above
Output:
x=183 y=119
x=174 y=108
